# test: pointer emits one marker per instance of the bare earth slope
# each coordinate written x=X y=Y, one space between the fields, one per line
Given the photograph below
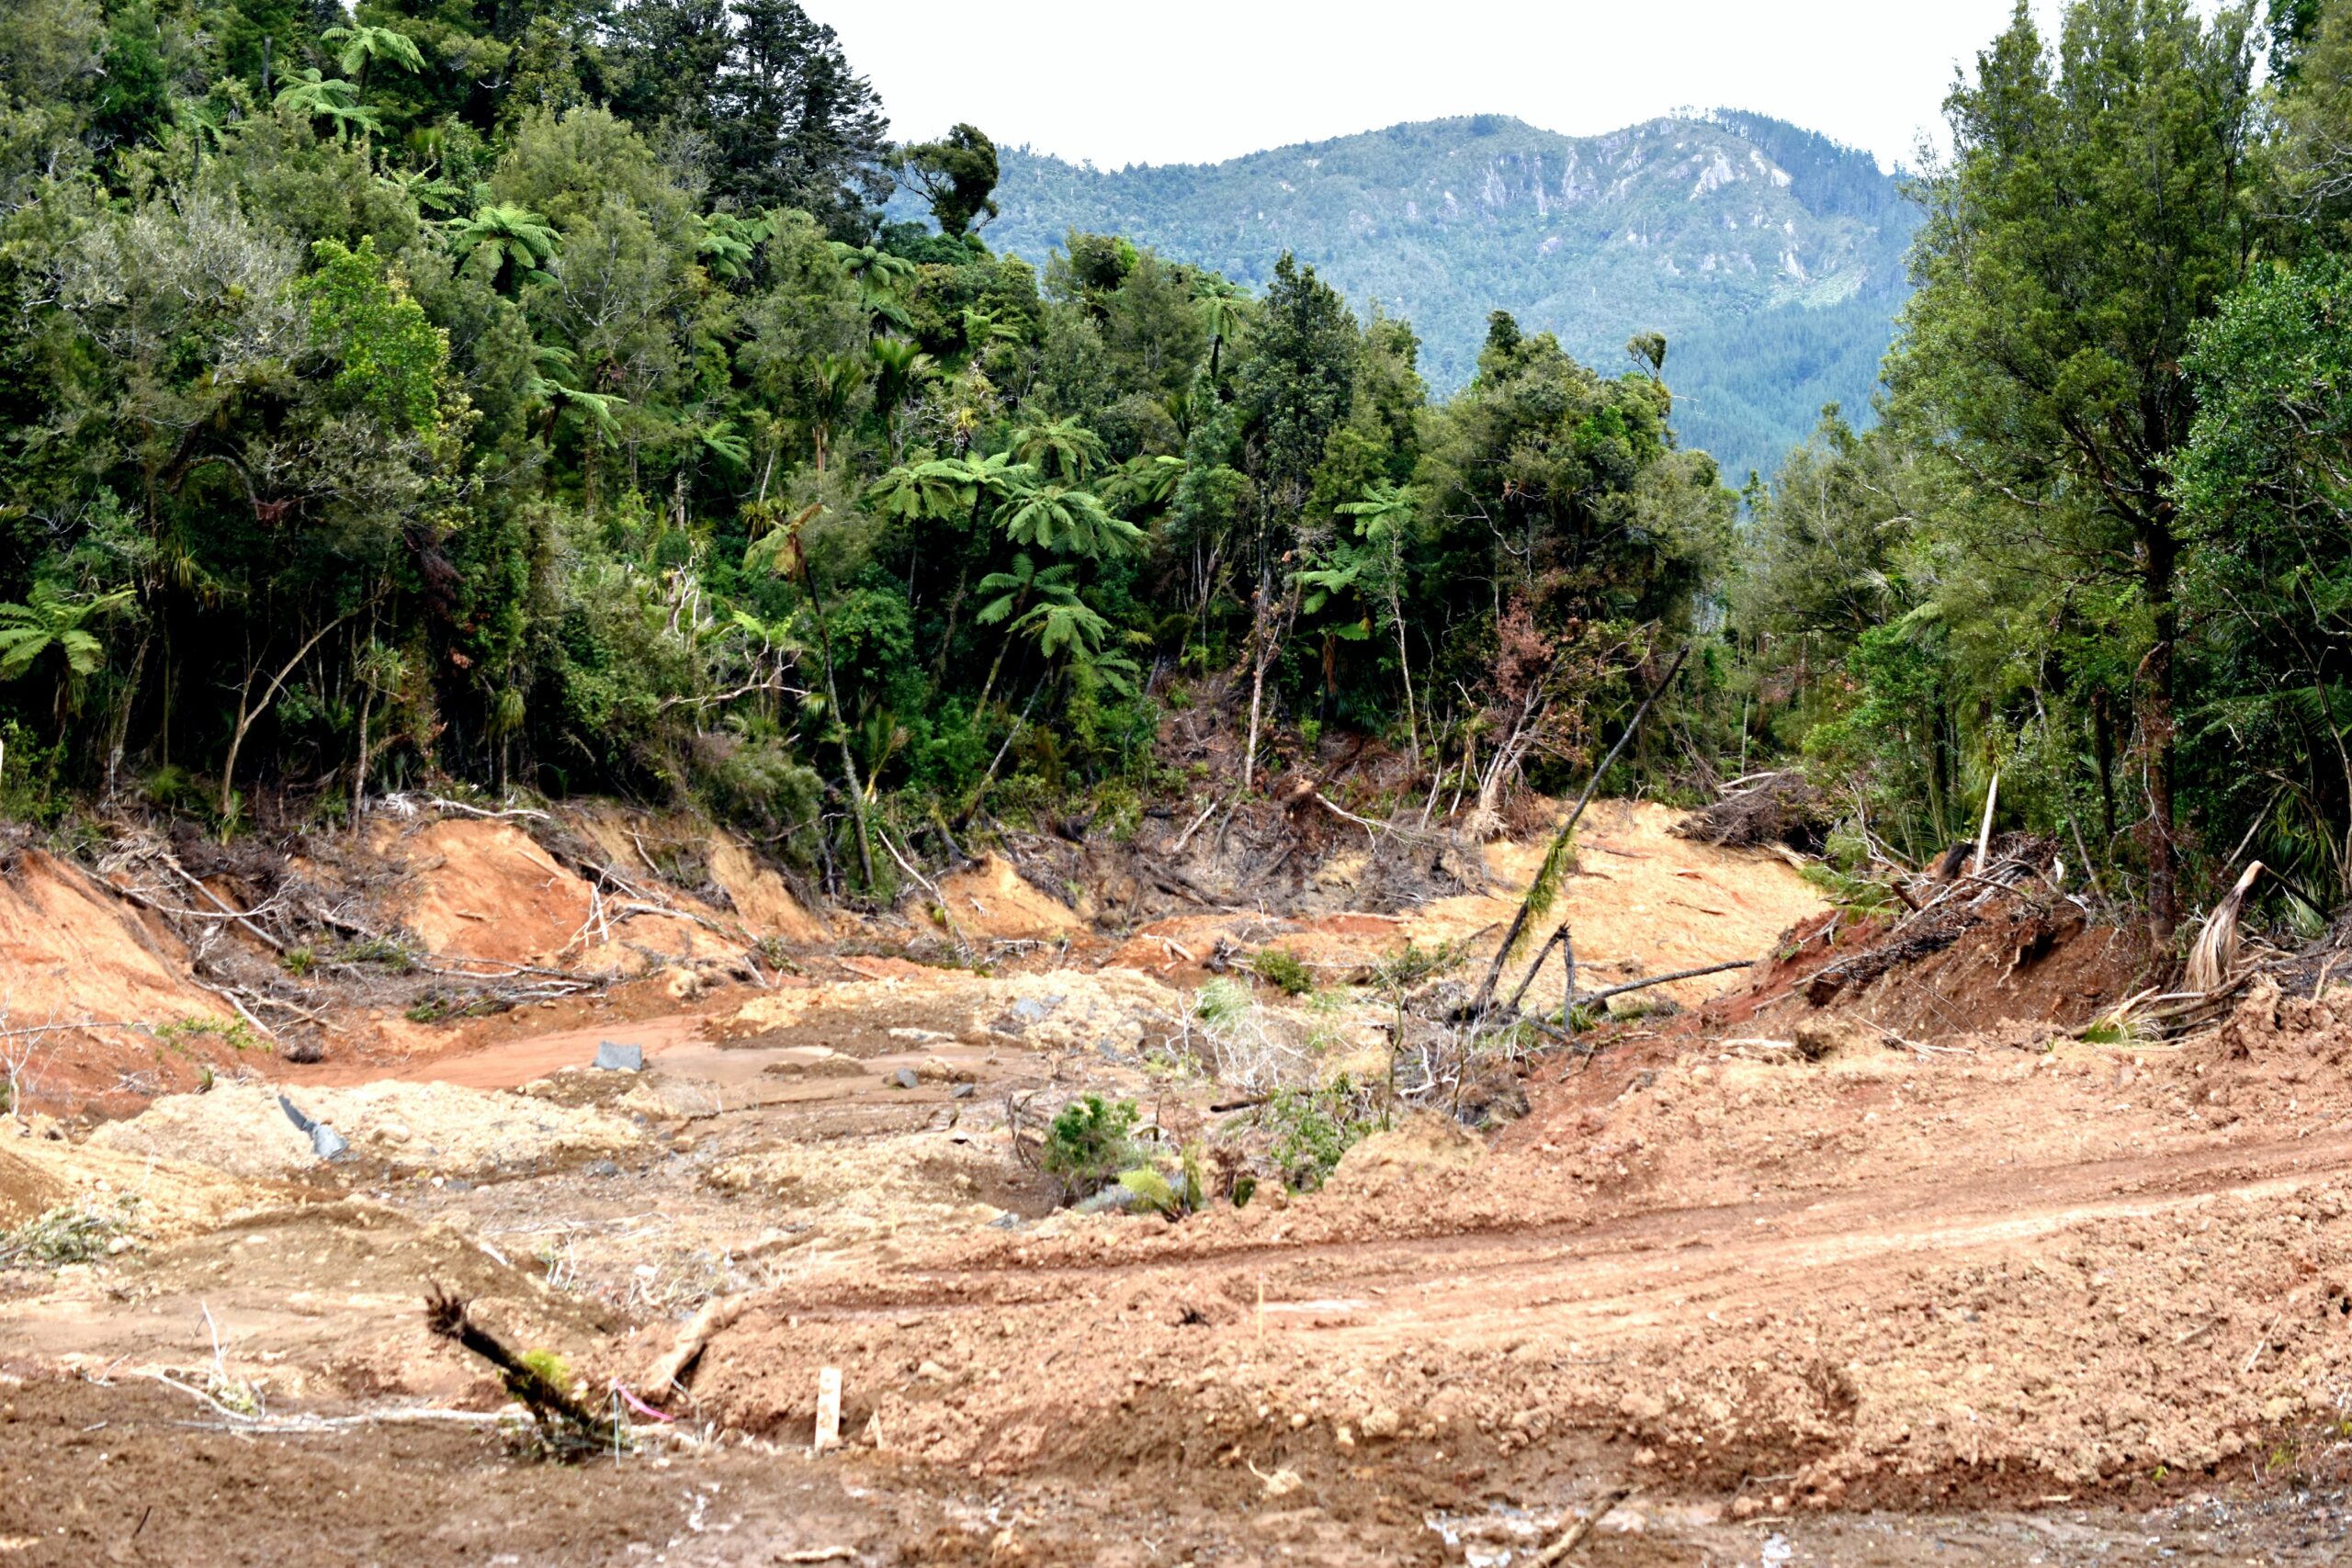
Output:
x=1814 y=1283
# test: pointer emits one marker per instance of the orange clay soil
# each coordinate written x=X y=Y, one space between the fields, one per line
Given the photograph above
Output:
x=1833 y=1285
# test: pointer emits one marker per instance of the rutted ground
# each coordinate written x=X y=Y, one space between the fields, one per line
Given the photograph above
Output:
x=1821 y=1285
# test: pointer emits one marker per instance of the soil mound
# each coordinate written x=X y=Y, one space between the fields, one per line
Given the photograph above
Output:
x=992 y=899
x=2022 y=955
x=430 y=1127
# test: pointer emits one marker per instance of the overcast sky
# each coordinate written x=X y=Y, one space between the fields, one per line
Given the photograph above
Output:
x=1187 y=81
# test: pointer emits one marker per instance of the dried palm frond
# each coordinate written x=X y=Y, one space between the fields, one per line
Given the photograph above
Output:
x=2216 y=953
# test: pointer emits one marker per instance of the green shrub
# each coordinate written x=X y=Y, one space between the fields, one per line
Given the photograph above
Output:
x=1281 y=971
x=1090 y=1144
x=1312 y=1128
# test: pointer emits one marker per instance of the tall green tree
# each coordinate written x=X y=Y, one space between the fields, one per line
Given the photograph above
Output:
x=956 y=175
x=2093 y=208
x=2265 y=489
x=1296 y=392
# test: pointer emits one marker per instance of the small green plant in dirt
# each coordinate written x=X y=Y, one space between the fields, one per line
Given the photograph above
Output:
x=299 y=961
x=1283 y=971
x=72 y=1232
x=380 y=950
x=1412 y=964
x=775 y=953
x=442 y=1006
x=1221 y=1002
x=1173 y=1196
x=233 y=1032
x=1311 y=1129
x=1089 y=1144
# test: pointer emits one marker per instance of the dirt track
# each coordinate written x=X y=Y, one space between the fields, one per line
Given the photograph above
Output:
x=1819 y=1286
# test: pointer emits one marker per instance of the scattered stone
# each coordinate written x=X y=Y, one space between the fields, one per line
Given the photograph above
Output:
x=612 y=1056
x=905 y=1078
x=964 y=1092
x=1282 y=1482
x=1383 y=1424
x=605 y=1167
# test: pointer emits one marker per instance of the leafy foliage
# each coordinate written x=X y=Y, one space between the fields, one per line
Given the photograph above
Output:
x=1090 y=1144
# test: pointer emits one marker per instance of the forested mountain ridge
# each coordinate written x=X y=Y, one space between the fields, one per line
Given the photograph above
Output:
x=1770 y=258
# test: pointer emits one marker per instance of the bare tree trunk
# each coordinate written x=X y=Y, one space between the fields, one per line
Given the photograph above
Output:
x=1405 y=661
x=249 y=710
x=121 y=728
x=1257 y=708
x=359 y=768
x=2158 y=550
x=1267 y=641
x=840 y=721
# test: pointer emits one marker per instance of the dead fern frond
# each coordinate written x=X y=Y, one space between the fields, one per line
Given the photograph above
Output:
x=2216 y=953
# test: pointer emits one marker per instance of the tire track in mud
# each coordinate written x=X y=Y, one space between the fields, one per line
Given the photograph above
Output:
x=1683 y=1262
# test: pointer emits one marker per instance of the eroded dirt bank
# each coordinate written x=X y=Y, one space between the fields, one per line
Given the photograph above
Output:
x=1909 y=1273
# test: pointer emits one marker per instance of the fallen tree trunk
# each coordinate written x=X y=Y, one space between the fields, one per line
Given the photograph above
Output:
x=1541 y=892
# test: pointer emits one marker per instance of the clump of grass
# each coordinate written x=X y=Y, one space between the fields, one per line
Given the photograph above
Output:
x=1173 y=1196
x=233 y=1032
x=378 y=950
x=1411 y=965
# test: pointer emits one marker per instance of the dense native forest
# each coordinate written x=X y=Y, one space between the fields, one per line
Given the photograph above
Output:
x=534 y=397
x=1770 y=258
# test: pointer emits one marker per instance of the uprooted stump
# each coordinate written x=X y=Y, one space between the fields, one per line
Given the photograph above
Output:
x=1763 y=808
x=569 y=1428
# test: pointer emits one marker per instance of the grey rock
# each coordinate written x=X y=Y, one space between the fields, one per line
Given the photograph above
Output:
x=614 y=1057
x=604 y=1168
x=905 y=1078
x=964 y=1092
x=1034 y=1010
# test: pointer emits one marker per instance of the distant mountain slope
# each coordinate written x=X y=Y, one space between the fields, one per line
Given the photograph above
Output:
x=1770 y=257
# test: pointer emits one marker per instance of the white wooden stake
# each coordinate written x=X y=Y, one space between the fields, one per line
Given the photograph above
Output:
x=1984 y=834
x=829 y=1409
